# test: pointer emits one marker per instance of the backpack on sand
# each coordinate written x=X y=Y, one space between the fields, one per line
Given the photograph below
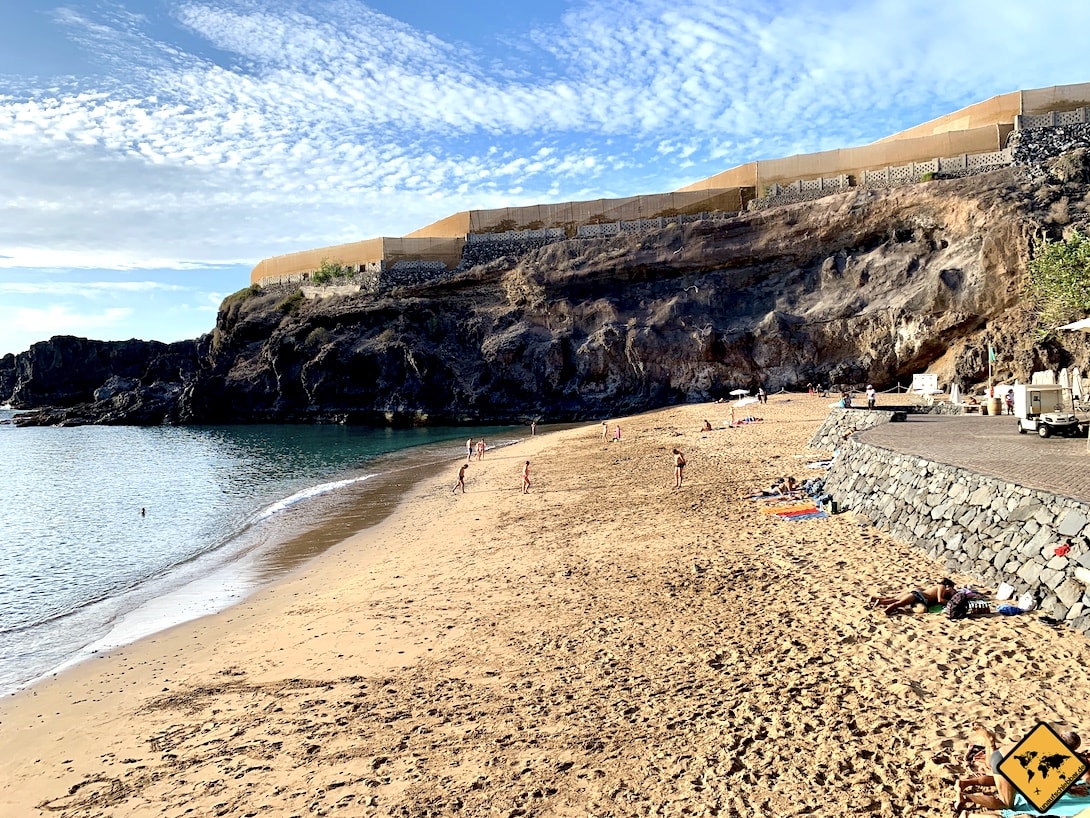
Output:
x=958 y=606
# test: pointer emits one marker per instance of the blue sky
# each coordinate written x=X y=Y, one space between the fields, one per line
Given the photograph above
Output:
x=152 y=151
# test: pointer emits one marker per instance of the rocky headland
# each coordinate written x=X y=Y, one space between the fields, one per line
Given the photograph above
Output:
x=861 y=286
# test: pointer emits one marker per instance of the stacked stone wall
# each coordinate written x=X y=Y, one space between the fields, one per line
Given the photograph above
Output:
x=976 y=525
x=488 y=247
x=1032 y=148
x=842 y=423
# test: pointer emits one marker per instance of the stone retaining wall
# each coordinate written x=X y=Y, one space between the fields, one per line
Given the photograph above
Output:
x=1032 y=148
x=978 y=526
x=842 y=422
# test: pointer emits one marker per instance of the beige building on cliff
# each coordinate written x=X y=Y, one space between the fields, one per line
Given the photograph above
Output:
x=972 y=139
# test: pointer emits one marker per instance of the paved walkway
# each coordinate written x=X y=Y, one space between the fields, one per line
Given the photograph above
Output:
x=991 y=445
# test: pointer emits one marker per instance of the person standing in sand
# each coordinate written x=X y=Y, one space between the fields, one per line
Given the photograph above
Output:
x=533 y=428
x=526 y=478
x=469 y=450
x=617 y=434
x=679 y=468
x=480 y=449
x=461 y=479
x=605 y=429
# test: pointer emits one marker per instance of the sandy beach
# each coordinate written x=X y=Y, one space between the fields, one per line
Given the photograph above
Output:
x=604 y=645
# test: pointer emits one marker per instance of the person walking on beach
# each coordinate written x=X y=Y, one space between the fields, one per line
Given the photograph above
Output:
x=679 y=468
x=605 y=429
x=461 y=479
x=480 y=449
x=469 y=450
x=526 y=478
x=533 y=428
x=617 y=434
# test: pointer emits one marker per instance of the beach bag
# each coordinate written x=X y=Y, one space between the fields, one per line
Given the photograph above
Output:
x=958 y=606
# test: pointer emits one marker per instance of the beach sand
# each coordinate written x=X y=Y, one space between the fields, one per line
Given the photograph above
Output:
x=604 y=645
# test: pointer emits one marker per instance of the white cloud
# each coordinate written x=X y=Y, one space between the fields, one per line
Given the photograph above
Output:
x=324 y=122
x=87 y=289
x=61 y=319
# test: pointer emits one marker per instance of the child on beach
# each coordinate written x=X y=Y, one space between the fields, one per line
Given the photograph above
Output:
x=461 y=479
x=526 y=478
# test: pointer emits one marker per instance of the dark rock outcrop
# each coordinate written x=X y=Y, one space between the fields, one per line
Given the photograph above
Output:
x=861 y=286
x=72 y=380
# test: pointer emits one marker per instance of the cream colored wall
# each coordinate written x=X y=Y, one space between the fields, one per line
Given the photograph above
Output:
x=391 y=250
x=1003 y=108
x=853 y=161
x=979 y=128
x=1056 y=98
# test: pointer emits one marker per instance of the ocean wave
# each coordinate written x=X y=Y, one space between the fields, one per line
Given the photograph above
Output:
x=307 y=493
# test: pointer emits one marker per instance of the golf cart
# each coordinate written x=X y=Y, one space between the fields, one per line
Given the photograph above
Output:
x=1040 y=408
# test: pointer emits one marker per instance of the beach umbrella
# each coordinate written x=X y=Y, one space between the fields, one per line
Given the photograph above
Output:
x=955 y=393
x=739 y=391
x=1076 y=382
x=1065 y=378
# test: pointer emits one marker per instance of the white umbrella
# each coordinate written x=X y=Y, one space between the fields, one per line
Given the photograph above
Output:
x=1064 y=379
x=1076 y=382
x=739 y=391
x=955 y=394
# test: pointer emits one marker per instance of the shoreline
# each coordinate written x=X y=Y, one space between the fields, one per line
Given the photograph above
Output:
x=604 y=644
x=216 y=579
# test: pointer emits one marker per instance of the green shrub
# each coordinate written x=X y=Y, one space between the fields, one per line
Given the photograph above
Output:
x=242 y=295
x=327 y=271
x=319 y=336
x=1059 y=281
x=291 y=303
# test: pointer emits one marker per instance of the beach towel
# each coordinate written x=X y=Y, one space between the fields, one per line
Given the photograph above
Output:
x=796 y=511
x=794 y=505
x=1067 y=805
x=816 y=514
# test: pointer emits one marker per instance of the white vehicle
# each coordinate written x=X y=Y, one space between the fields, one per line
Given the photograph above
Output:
x=1040 y=408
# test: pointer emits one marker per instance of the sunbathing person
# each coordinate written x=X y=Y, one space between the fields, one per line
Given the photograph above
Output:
x=1005 y=792
x=781 y=487
x=935 y=595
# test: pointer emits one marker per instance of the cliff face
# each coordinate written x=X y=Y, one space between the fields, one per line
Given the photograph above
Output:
x=108 y=382
x=865 y=286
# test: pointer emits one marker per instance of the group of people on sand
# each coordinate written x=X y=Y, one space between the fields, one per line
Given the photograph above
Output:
x=781 y=487
x=461 y=484
x=992 y=790
x=478 y=448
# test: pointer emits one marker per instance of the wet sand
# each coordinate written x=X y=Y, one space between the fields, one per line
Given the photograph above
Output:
x=605 y=645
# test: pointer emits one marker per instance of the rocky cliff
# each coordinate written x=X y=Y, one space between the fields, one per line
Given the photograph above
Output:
x=868 y=285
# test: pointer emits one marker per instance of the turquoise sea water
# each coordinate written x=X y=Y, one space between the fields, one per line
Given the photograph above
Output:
x=82 y=569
